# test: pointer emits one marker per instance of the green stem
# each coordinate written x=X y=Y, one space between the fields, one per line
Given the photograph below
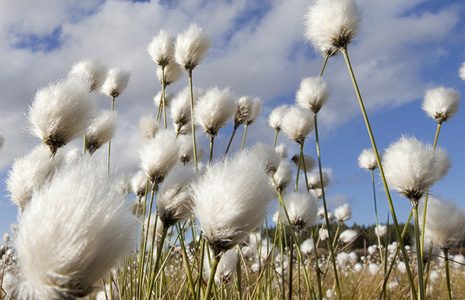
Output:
x=163 y=102
x=159 y=109
x=194 y=144
x=381 y=170
x=109 y=142
x=212 y=143
x=317 y=267
x=325 y=62
x=276 y=132
x=186 y=260
x=425 y=207
x=239 y=275
x=216 y=260
x=446 y=265
x=375 y=202
x=244 y=135
x=231 y=139
x=302 y=160
x=291 y=264
x=202 y=257
x=421 y=288
x=325 y=207
x=157 y=259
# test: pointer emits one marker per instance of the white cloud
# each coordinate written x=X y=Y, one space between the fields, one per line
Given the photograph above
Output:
x=263 y=55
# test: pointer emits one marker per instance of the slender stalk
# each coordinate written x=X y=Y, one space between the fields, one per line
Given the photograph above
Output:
x=425 y=207
x=212 y=143
x=302 y=161
x=216 y=260
x=157 y=259
x=317 y=267
x=325 y=62
x=163 y=95
x=202 y=257
x=381 y=170
x=231 y=139
x=421 y=282
x=296 y=188
x=291 y=264
x=192 y=120
x=325 y=207
x=276 y=132
x=375 y=202
x=186 y=260
x=109 y=142
x=159 y=109
x=239 y=275
x=244 y=135
x=446 y=265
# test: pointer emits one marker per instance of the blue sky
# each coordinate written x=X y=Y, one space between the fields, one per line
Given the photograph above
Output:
x=403 y=48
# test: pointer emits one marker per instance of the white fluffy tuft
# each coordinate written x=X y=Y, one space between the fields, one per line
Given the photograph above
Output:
x=276 y=117
x=367 y=160
x=281 y=149
x=181 y=110
x=60 y=112
x=282 y=177
x=308 y=161
x=343 y=213
x=302 y=210
x=348 y=236
x=307 y=247
x=140 y=184
x=172 y=73
x=86 y=232
x=297 y=124
x=29 y=173
x=148 y=127
x=101 y=130
x=90 y=71
x=314 y=181
x=462 y=71
x=412 y=167
x=331 y=24
x=214 y=109
x=312 y=94
x=381 y=230
x=115 y=83
x=157 y=99
x=161 y=48
x=159 y=155
x=267 y=156
x=231 y=200
x=441 y=103
x=191 y=46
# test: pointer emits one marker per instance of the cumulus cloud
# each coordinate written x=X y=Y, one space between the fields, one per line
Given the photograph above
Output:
x=257 y=49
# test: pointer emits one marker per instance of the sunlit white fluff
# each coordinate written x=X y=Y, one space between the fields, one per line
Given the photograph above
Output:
x=348 y=236
x=308 y=161
x=342 y=259
x=276 y=117
x=373 y=268
x=411 y=167
x=191 y=46
x=267 y=156
x=445 y=222
x=161 y=48
x=302 y=210
x=214 y=109
x=331 y=24
x=281 y=149
x=29 y=173
x=115 y=82
x=307 y=247
x=159 y=155
x=367 y=160
x=101 y=130
x=139 y=184
x=380 y=230
x=157 y=100
x=297 y=123
x=441 y=103
x=86 y=232
x=314 y=181
x=60 y=112
x=247 y=109
x=282 y=177
x=186 y=151
x=231 y=199
x=323 y=234
x=148 y=127
x=318 y=193
x=174 y=200
x=155 y=228
x=172 y=73
x=372 y=249
x=181 y=110
x=343 y=213
x=312 y=94
x=226 y=267
x=90 y=71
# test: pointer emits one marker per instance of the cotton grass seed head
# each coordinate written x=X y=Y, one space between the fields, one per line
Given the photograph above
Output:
x=297 y=124
x=266 y=156
x=172 y=73
x=380 y=230
x=367 y=160
x=214 y=109
x=30 y=173
x=302 y=210
x=445 y=222
x=343 y=213
x=181 y=110
x=308 y=161
x=191 y=46
x=281 y=149
x=60 y=112
x=312 y=94
x=161 y=48
x=115 y=82
x=101 y=130
x=282 y=177
x=186 y=149
x=331 y=24
x=231 y=199
x=140 y=184
x=348 y=236
x=148 y=127
x=86 y=233
x=314 y=179
x=244 y=110
x=159 y=155
x=276 y=117
x=441 y=103
x=174 y=201
x=412 y=167
x=90 y=71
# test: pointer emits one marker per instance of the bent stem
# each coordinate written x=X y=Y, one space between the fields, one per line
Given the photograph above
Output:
x=231 y=139
x=302 y=160
x=163 y=102
x=194 y=140
x=109 y=142
x=214 y=266
x=276 y=132
x=244 y=135
x=212 y=143
x=325 y=207
x=381 y=170
x=425 y=207
x=421 y=287
x=446 y=265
